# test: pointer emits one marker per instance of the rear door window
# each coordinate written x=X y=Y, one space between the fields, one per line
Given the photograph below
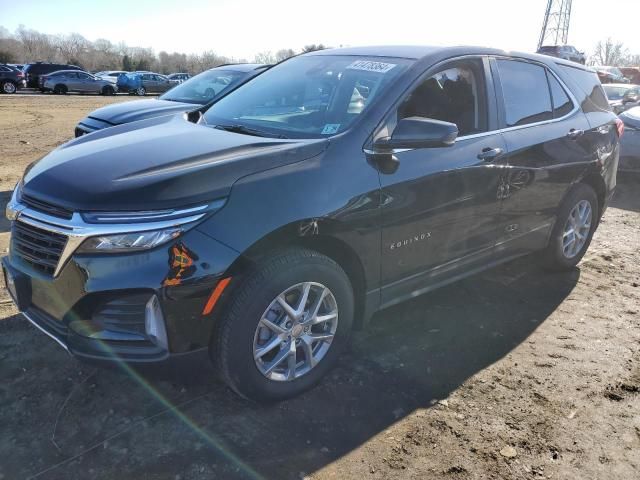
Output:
x=525 y=92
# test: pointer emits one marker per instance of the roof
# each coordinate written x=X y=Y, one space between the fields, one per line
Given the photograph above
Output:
x=416 y=52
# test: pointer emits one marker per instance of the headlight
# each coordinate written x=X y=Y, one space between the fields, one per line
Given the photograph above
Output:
x=128 y=242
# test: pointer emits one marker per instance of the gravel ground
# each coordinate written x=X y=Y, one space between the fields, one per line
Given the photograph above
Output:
x=514 y=373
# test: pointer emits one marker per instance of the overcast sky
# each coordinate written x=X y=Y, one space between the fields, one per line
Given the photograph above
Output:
x=242 y=28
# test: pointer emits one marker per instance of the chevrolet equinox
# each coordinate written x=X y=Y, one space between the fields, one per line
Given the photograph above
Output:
x=333 y=185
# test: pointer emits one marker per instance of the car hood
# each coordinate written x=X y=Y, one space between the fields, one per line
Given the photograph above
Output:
x=631 y=117
x=126 y=112
x=160 y=163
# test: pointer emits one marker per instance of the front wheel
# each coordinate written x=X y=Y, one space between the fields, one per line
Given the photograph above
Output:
x=141 y=91
x=575 y=225
x=107 y=90
x=8 y=87
x=284 y=325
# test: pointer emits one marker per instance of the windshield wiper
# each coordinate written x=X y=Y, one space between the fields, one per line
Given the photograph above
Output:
x=248 y=131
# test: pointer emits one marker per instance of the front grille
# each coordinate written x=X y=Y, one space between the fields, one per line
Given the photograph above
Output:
x=40 y=248
x=45 y=207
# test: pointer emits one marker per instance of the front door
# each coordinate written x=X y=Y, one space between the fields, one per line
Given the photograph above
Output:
x=440 y=206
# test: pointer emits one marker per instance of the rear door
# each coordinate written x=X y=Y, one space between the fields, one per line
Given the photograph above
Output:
x=545 y=133
x=440 y=205
x=87 y=83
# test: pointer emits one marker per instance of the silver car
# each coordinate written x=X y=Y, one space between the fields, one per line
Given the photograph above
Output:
x=64 y=81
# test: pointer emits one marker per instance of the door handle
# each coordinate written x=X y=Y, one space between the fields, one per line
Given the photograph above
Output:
x=575 y=134
x=490 y=154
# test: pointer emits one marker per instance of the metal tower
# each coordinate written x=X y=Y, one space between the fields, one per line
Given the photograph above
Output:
x=555 y=27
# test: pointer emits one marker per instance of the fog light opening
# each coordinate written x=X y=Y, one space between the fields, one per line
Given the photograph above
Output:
x=154 y=323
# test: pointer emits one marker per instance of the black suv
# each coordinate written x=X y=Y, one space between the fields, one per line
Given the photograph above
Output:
x=33 y=71
x=11 y=79
x=333 y=185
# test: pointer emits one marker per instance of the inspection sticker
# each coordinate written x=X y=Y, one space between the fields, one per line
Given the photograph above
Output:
x=370 y=66
x=330 y=128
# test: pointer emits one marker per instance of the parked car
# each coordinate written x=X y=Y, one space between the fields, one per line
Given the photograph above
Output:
x=33 y=71
x=564 y=51
x=611 y=75
x=17 y=66
x=111 y=75
x=630 y=142
x=141 y=83
x=335 y=184
x=66 y=81
x=622 y=96
x=179 y=77
x=11 y=79
x=632 y=73
x=193 y=94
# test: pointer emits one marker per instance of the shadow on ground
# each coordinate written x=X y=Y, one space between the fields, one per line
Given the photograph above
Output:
x=626 y=196
x=64 y=419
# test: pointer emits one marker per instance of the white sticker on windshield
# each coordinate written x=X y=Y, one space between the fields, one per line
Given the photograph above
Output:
x=330 y=128
x=370 y=66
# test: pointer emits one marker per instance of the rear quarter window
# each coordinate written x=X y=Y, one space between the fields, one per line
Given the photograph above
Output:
x=589 y=85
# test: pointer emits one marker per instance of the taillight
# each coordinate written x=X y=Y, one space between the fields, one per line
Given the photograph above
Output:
x=619 y=127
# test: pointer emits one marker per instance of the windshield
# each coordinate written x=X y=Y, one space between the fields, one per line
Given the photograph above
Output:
x=615 y=93
x=205 y=87
x=307 y=97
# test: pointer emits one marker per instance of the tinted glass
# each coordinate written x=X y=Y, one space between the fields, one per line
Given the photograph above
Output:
x=562 y=104
x=205 y=87
x=311 y=96
x=455 y=94
x=83 y=76
x=525 y=91
x=615 y=93
x=590 y=85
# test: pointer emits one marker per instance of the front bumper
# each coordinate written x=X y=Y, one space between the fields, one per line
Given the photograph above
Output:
x=96 y=307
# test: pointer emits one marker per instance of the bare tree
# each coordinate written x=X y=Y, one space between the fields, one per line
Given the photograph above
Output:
x=266 y=58
x=609 y=53
x=28 y=45
x=313 y=47
x=284 y=53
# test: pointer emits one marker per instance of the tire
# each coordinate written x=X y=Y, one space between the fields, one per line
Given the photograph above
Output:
x=60 y=89
x=558 y=255
x=107 y=90
x=240 y=329
x=9 y=87
x=141 y=91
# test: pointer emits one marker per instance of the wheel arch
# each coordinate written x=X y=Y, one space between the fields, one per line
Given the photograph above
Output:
x=595 y=181
x=304 y=234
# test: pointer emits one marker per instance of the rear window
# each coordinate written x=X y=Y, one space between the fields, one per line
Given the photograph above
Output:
x=590 y=85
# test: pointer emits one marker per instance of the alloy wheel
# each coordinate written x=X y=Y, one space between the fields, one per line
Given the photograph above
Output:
x=576 y=229
x=295 y=331
x=9 y=87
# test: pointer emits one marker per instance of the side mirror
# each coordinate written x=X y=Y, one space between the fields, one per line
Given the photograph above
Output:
x=419 y=132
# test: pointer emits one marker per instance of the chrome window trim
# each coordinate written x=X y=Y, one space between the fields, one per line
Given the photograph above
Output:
x=566 y=89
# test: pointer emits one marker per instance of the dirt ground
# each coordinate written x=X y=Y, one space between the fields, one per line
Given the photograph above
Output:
x=511 y=374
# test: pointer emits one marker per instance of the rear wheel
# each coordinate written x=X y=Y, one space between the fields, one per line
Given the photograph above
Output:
x=60 y=89
x=284 y=326
x=8 y=87
x=576 y=223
